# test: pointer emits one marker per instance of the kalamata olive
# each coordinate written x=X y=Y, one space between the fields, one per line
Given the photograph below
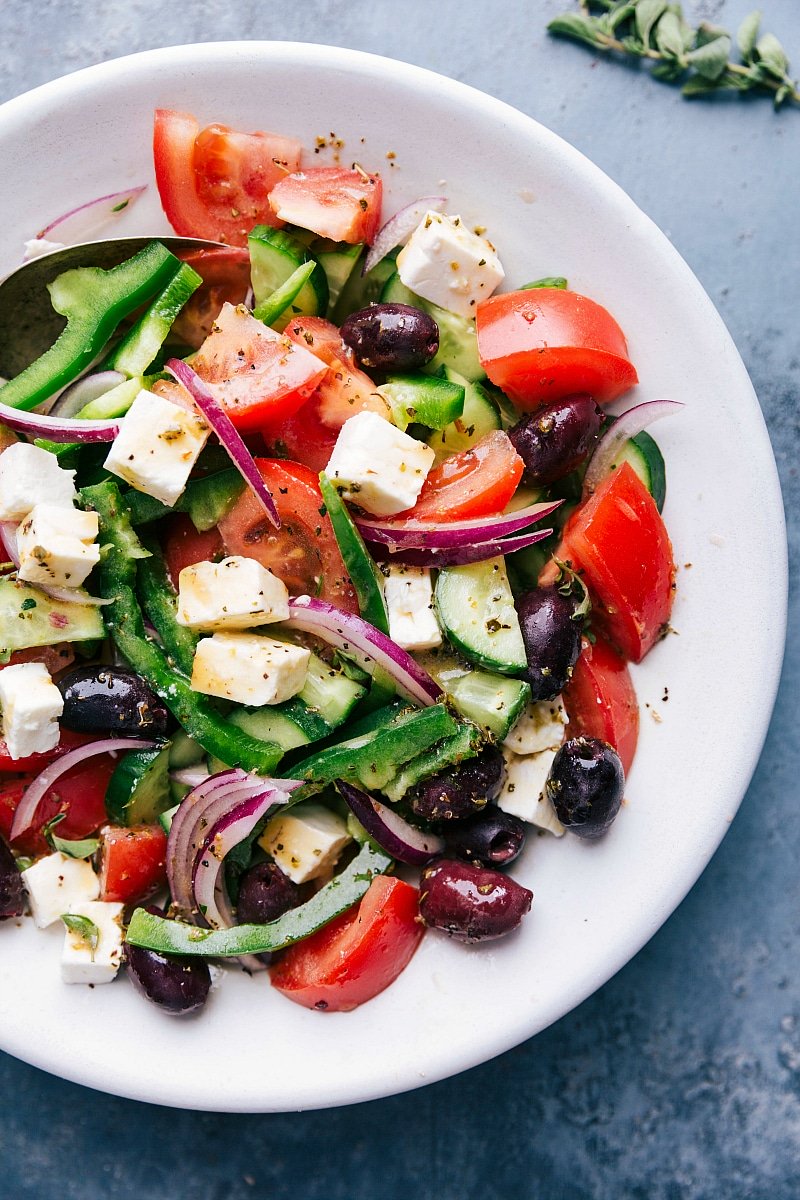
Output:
x=553 y=441
x=176 y=984
x=493 y=837
x=12 y=892
x=391 y=337
x=551 y=633
x=102 y=699
x=461 y=791
x=585 y=784
x=471 y=903
x=265 y=894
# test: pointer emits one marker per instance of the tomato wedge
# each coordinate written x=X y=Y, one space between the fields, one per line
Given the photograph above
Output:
x=474 y=483
x=214 y=182
x=184 y=546
x=303 y=437
x=132 y=862
x=545 y=343
x=80 y=794
x=600 y=700
x=37 y=762
x=304 y=552
x=344 y=390
x=357 y=955
x=619 y=543
x=256 y=374
x=334 y=202
x=225 y=271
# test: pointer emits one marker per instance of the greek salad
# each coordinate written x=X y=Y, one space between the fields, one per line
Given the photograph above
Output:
x=325 y=559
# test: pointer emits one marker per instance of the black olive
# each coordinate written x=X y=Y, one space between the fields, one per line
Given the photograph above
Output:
x=265 y=894
x=391 y=337
x=12 y=892
x=585 y=784
x=492 y=837
x=102 y=699
x=553 y=441
x=471 y=903
x=551 y=633
x=460 y=791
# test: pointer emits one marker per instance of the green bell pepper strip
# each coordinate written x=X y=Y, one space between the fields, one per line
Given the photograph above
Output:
x=94 y=302
x=360 y=567
x=205 y=500
x=161 y=605
x=374 y=758
x=140 y=345
x=278 y=301
x=116 y=575
x=345 y=890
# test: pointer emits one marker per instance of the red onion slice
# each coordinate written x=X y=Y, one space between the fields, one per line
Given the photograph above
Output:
x=365 y=644
x=399 y=228
x=623 y=429
x=460 y=556
x=84 y=391
x=429 y=535
x=58 y=429
x=223 y=427
x=404 y=842
x=25 y=818
x=81 y=223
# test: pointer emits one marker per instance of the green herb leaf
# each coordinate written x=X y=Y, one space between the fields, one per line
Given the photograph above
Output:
x=646 y=15
x=549 y=281
x=711 y=59
x=669 y=36
x=747 y=34
x=82 y=849
x=772 y=56
x=576 y=25
x=23 y=862
x=83 y=928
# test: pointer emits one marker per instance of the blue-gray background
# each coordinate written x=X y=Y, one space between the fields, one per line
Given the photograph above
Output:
x=680 y=1078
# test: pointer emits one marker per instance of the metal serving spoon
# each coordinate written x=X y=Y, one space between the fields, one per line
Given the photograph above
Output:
x=28 y=324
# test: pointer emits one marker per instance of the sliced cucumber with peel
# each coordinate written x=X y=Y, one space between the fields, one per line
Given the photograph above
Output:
x=476 y=609
x=274 y=256
x=338 y=260
x=493 y=702
x=644 y=456
x=139 y=790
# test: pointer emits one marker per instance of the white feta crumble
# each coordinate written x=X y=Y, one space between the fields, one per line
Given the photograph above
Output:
x=249 y=668
x=523 y=794
x=30 y=476
x=157 y=446
x=539 y=727
x=306 y=841
x=413 y=623
x=55 y=883
x=377 y=466
x=81 y=960
x=236 y=593
x=57 y=545
x=449 y=265
x=31 y=705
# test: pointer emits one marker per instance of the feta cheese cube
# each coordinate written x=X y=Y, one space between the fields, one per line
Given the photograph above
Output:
x=29 y=476
x=236 y=593
x=409 y=602
x=157 y=446
x=31 y=705
x=448 y=264
x=523 y=794
x=540 y=727
x=57 y=545
x=80 y=961
x=306 y=841
x=56 y=883
x=249 y=669
x=377 y=466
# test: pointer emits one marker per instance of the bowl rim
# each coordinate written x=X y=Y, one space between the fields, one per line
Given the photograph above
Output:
x=22 y=109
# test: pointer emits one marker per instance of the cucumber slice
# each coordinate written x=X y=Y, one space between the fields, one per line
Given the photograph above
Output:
x=165 y=818
x=423 y=399
x=184 y=751
x=476 y=609
x=493 y=702
x=338 y=260
x=274 y=256
x=360 y=566
x=329 y=692
x=479 y=416
x=277 y=303
x=447 y=753
x=289 y=725
x=458 y=341
x=361 y=290
x=644 y=456
x=29 y=618
x=139 y=790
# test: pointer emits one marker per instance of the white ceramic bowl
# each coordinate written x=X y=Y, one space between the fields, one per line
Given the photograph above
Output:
x=549 y=211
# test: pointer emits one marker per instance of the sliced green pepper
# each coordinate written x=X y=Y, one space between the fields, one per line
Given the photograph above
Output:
x=140 y=345
x=161 y=605
x=276 y=304
x=94 y=302
x=345 y=890
x=360 y=566
x=116 y=577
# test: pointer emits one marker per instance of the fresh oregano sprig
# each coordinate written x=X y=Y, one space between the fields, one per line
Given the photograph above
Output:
x=700 y=57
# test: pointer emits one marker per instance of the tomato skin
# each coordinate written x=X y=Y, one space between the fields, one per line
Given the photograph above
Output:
x=473 y=483
x=184 y=546
x=214 y=183
x=12 y=788
x=132 y=862
x=619 y=543
x=334 y=202
x=225 y=271
x=80 y=794
x=55 y=658
x=303 y=436
x=600 y=700
x=344 y=390
x=356 y=956
x=256 y=374
x=545 y=343
x=304 y=552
